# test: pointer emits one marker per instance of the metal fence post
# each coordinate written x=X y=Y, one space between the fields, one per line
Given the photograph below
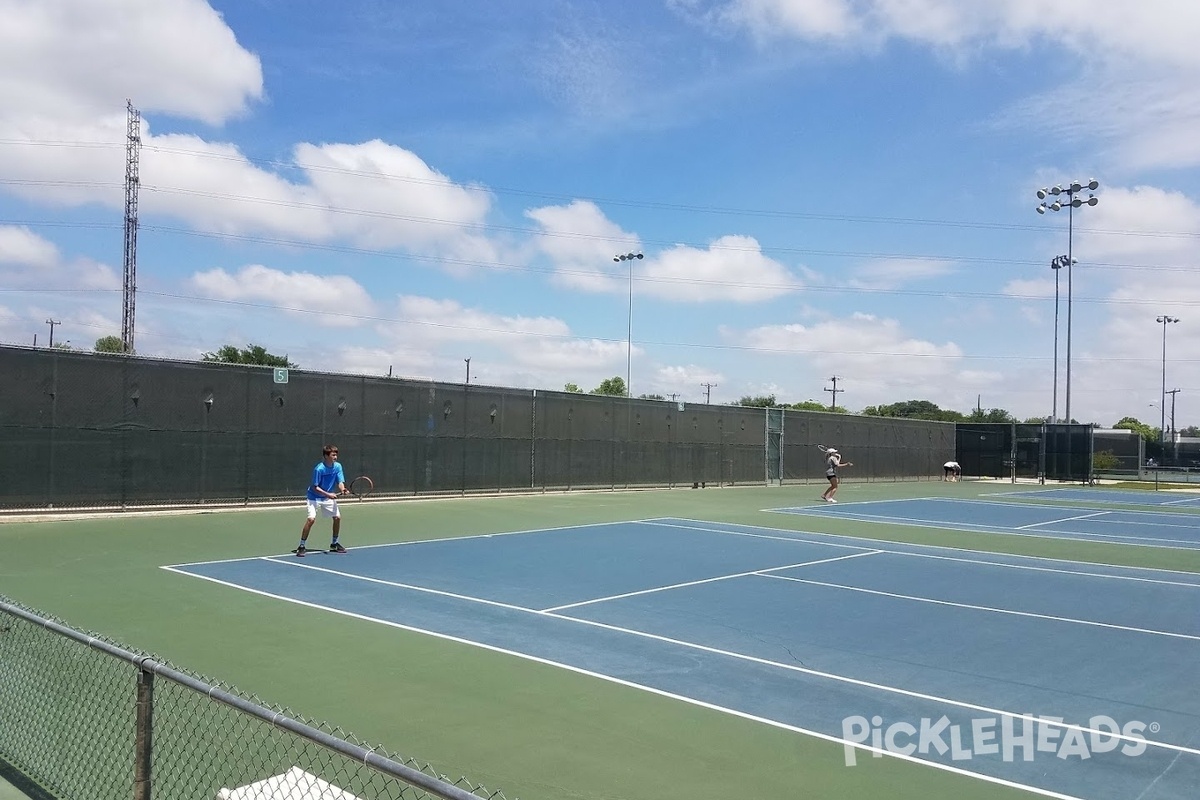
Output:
x=143 y=736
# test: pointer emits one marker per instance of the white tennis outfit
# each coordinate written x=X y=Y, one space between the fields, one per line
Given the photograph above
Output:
x=833 y=461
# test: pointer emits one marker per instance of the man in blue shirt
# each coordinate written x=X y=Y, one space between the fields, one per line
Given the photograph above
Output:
x=328 y=481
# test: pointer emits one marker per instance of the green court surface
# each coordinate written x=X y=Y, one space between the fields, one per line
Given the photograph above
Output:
x=532 y=730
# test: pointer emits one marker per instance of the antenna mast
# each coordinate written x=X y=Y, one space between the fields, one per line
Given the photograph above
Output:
x=133 y=149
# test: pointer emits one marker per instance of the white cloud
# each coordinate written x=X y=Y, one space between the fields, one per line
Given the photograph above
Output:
x=22 y=247
x=28 y=260
x=876 y=356
x=337 y=301
x=91 y=55
x=1159 y=31
x=581 y=242
x=895 y=273
x=732 y=269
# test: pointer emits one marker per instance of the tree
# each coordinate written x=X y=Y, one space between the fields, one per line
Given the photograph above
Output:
x=1105 y=461
x=762 y=401
x=990 y=415
x=915 y=409
x=572 y=388
x=1141 y=428
x=1190 y=431
x=613 y=387
x=813 y=405
x=109 y=344
x=651 y=397
x=253 y=354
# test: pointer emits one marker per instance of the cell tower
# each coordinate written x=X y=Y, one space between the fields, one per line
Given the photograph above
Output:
x=133 y=149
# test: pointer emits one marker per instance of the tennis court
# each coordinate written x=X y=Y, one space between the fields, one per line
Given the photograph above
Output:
x=1012 y=670
x=681 y=644
x=1157 y=528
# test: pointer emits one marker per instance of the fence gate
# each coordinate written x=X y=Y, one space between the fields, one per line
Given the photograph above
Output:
x=774 y=448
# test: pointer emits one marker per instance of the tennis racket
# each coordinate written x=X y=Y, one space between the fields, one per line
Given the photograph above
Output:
x=823 y=448
x=361 y=486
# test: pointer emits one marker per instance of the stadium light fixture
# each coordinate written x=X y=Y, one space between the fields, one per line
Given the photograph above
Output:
x=630 y=257
x=1052 y=201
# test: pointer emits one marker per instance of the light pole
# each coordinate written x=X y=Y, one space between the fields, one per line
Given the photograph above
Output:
x=629 y=330
x=1073 y=202
x=1162 y=404
x=1056 y=264
x=468 y=370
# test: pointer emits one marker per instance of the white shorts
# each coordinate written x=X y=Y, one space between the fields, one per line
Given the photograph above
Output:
x=328 y=507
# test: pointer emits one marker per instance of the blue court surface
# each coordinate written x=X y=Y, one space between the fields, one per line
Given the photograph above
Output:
x=1138 y=497
x=1065 y=679
x=1156 y=528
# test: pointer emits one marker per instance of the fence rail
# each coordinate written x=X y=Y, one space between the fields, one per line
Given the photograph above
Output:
x=83 y=717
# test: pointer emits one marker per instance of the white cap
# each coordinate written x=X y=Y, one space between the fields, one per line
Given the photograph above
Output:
x=831 y=450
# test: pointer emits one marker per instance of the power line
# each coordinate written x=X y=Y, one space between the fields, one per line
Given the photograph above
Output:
x=560 y=196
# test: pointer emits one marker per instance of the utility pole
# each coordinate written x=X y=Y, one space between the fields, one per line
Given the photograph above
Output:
x=674 y=395
x=468 y=370
x=834 y=391
x=708 y=392
x=51 y=323
x=1174 y=441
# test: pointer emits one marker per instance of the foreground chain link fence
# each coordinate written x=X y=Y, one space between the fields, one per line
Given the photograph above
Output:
x=82 y=717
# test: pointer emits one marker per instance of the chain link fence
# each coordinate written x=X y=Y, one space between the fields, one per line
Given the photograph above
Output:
x=83 y=717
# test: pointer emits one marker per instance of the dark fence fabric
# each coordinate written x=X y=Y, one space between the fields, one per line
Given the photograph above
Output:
x=90 y=429
x=1050 y=451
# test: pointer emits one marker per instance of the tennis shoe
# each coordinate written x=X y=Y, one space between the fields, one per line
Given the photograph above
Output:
x=301 y=551
x=336 y=547
x=832 y=500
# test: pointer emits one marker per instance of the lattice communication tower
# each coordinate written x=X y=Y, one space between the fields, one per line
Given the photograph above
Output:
x=133 y=149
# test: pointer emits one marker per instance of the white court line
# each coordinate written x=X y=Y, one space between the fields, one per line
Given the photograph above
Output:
x=1102 y=538
x=982 y=561
x=1062 y=519
x=989 y=609
x=707 y=580
x=1028 y=718
x=658 y=692
x=1178 y=502
x=463 y=538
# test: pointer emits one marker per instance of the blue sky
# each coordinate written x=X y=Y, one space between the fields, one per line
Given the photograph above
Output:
x=820 y=188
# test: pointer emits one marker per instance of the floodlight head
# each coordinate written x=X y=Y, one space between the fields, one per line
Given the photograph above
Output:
x=639 y=255
x=1076 y=202
x=1041 y=209
x=1092 y=200
x=1041 y=194
x=1056 y=206
x=1093 y=184
x=1076 y=186
x=1056 y=190
x=617 y=258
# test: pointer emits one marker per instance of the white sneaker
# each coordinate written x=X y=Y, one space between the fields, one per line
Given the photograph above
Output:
x=832 y=500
